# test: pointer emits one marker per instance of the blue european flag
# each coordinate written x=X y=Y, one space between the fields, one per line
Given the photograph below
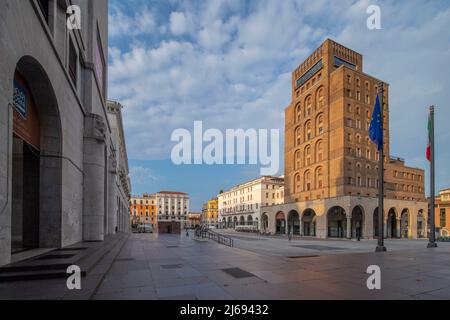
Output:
x=376 y=127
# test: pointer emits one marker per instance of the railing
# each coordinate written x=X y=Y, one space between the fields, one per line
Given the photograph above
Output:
x=220 y=239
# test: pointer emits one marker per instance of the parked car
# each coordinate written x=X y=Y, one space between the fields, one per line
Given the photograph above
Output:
x=145 y=228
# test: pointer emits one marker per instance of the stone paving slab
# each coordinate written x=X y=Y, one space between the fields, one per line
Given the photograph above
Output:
x=135 y=270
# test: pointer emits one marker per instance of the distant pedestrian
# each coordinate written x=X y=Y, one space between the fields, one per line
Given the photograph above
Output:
x=187 y=232
x=290 y=236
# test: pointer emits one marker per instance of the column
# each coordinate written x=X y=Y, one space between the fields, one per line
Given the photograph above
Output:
x=398 y=231
x=349 y=226
x=94 y=178
x=112 y=195
x=301 y=226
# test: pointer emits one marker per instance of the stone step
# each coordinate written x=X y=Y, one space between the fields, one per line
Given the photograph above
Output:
x=27 y=268
x=34 y=275
x=86 y=257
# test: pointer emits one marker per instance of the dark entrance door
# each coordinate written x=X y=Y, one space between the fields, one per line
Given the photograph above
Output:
x=25 y=196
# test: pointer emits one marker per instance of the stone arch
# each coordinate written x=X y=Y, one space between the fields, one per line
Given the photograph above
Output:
x=37 y=168
x=336 y=222
x=375 y=222
x=293 y=222
x=391 y=223
x=264 y=222
x=405 y=223
x=309 y=218
x=357 y=223
x=241 y=221
x=249 y=220
x=421 y=224
x=235 y=221
x=280 y=223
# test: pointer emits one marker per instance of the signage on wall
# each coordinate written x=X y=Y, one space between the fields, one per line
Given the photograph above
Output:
x=26 y=118
x=20 y=99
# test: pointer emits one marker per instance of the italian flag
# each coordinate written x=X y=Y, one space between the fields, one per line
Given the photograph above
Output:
x=430 y=132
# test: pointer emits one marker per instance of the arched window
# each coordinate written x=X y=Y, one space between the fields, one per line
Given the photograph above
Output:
x=298 y=135
x=297 y=183
x=297 y=159
x=358 y=138
x=319 y=178
x=308 y=131
x=307 y=155
x=308 y=104
x=307 y=181
x=369 y=182
x=320 y=99
x=298 y=111
x=319 y=151
x=358 y=180
x=319 y=124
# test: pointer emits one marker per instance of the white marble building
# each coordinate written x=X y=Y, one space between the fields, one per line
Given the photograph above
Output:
x=172 y=206
x=240 y=206
x=60 y=172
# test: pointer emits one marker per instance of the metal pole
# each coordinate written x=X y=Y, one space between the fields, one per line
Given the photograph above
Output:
x=432 y=243
x=380 y=246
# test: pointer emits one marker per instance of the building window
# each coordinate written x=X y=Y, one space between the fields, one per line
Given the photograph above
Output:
x=308 y=106
x=442 y=218
x=319 y=178
x=307 y=155
x=319 y=151
x=73 y=62
x=320 y=98
x=298 y=132
x=307 y=180
x=297 y=160
x=319 y=124
x=308 y=133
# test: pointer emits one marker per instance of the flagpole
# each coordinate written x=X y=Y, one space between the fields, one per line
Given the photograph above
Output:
x=380 y=246
x=432 y=243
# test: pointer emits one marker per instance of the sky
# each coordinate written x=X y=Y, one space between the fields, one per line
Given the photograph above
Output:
x=228 y=63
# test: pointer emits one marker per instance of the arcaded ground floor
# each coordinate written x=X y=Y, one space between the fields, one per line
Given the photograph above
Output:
x=348 y=217
x=152 y=266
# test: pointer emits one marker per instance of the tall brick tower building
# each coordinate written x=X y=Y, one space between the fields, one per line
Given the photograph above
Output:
x=331 y=166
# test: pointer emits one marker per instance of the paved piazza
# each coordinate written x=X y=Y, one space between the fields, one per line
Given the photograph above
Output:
x=151 y=266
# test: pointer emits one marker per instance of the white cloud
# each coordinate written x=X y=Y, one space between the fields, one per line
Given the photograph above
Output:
x=120 y=24
x=178 y=23
x=232 y=66
x=142 y=176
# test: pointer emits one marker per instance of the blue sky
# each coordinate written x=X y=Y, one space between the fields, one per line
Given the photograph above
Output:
x=229 y=63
